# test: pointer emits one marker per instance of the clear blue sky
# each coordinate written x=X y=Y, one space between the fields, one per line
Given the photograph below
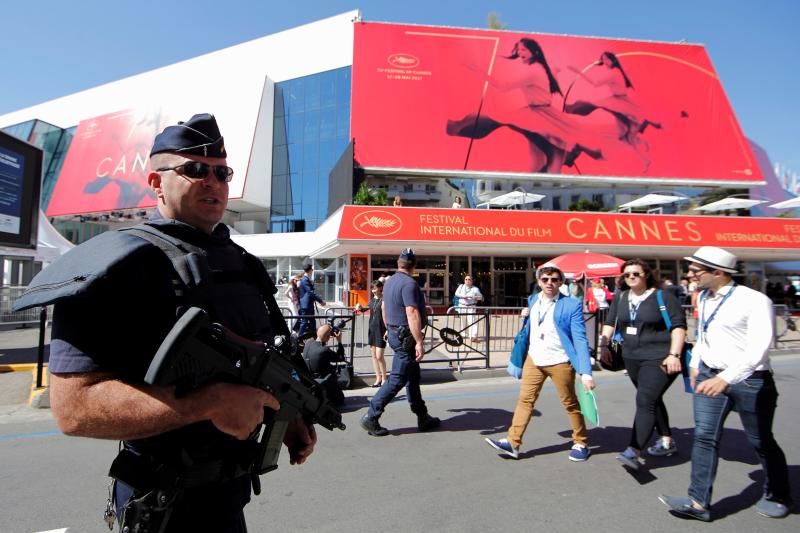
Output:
x=52 y=48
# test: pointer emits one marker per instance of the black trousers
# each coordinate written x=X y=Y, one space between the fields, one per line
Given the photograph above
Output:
x=651 y=382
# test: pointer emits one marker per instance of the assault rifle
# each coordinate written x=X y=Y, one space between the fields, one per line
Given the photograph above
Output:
x=197 y=352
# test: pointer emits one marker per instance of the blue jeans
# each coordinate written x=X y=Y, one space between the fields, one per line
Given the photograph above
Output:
x=755 y=399
x=405 y=373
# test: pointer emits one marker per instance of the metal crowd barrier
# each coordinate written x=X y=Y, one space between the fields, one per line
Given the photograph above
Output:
x=8 y=295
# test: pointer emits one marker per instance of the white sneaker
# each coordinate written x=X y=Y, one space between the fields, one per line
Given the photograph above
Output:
x=629 y=458
x=661 y=449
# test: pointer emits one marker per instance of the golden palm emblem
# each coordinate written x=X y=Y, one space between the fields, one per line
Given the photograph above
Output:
x=377 y=222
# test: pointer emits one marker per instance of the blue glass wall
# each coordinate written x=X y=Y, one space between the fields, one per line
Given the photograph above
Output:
x=310 y=132
x=54 y=142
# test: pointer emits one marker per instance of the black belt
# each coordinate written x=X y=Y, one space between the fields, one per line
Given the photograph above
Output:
x=395 y=328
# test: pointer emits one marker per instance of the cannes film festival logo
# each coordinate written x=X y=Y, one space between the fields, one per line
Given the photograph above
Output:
x=376 y=223
x=403 y=60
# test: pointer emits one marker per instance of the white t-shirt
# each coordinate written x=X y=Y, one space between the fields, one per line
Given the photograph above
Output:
x=600 y=296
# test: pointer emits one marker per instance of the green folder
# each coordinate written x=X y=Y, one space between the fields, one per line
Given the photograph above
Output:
x=588 y=403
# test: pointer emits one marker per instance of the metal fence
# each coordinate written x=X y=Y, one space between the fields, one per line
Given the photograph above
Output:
x=8 y=295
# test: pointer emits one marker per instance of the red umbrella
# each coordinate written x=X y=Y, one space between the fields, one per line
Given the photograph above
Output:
x=592 y=265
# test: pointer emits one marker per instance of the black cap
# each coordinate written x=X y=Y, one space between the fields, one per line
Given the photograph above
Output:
x=198 y=136
x=408 y=255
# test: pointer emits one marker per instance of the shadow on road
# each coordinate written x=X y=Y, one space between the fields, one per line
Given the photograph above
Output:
x=752 y=493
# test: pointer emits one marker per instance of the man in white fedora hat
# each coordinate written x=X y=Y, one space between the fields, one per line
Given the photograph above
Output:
x=730 y=369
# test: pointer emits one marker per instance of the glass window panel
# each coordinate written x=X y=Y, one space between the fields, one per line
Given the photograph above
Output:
x=327 y=124
x=279 y=133
x=296 y=127
x=511 y=263
x=311 y=129
x=388 y=262
x=327 y=88
x=310 y=159
x=278 y=100
x=343 y=86
x=430 y=261
x=343 y=122
x=295 y=96
x=328 y=155
x=280 y=160
x=482 y=277
x=312 y=92
x=295 y=157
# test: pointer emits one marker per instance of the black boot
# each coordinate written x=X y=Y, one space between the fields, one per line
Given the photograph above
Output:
x=427 y=422
x=372 y=426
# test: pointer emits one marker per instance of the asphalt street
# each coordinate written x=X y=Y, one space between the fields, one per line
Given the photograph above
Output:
x=449 y=480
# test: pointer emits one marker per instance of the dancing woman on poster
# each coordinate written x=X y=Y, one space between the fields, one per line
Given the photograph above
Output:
x=629 y=116
x=558 y=136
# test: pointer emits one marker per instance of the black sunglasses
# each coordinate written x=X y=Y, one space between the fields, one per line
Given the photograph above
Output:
x=198 y=171
x=545 y=279
x=633 y=274
x=697 y=270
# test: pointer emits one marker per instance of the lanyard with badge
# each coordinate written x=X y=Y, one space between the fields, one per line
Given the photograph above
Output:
x=634 y=311
x=705 y=323
x=541 y=316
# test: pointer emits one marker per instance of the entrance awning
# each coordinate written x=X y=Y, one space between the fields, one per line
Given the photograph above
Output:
x=513 y=233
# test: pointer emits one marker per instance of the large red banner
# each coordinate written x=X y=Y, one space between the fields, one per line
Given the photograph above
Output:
x=106 y=166
x=488 y=101
x=564 y=227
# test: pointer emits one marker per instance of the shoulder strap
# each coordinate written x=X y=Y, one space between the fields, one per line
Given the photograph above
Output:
x=188 y=261
x=663 y=308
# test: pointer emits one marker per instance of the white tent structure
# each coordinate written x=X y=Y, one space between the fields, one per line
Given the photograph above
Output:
x=50 y=243
x=787 y=204
x=653 y=199
x=513 y=198
x=730 y=203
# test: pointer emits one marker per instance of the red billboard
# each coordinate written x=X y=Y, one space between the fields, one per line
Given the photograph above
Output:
x=564 y=227
x=490 y=101
x=105 y=168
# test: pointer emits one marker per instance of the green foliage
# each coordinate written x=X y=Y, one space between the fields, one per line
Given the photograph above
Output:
x=380 y=197
x=493 y=21
x=366 y=196
x=586 y=205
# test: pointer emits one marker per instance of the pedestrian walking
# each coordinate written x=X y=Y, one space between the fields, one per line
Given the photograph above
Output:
x=730 y=370
x=651 y=352
x=557 y=349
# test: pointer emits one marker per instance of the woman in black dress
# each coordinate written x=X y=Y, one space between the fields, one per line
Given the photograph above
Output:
x=651 y=353
x=376 y=332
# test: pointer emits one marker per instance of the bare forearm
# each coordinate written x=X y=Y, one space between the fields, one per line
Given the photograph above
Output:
x=606 y=334
x=107 y=408
x=414 y=323
x=678 y=337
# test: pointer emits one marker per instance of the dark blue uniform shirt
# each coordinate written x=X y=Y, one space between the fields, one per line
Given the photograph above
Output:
x=120 y=324
x=400 y=291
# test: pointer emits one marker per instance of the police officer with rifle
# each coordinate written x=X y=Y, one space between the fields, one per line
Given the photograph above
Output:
x=194 y=435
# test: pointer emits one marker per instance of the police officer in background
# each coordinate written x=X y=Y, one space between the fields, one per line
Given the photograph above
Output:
x=405 y=318
x=103 y=342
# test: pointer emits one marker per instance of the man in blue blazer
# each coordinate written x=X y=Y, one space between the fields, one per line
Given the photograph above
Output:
x=307 y=296
x=557 y=349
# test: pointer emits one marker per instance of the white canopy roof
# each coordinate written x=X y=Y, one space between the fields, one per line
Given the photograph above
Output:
x=513 y=198
x=654 y=199
x=787 y=204
x=730 y=203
